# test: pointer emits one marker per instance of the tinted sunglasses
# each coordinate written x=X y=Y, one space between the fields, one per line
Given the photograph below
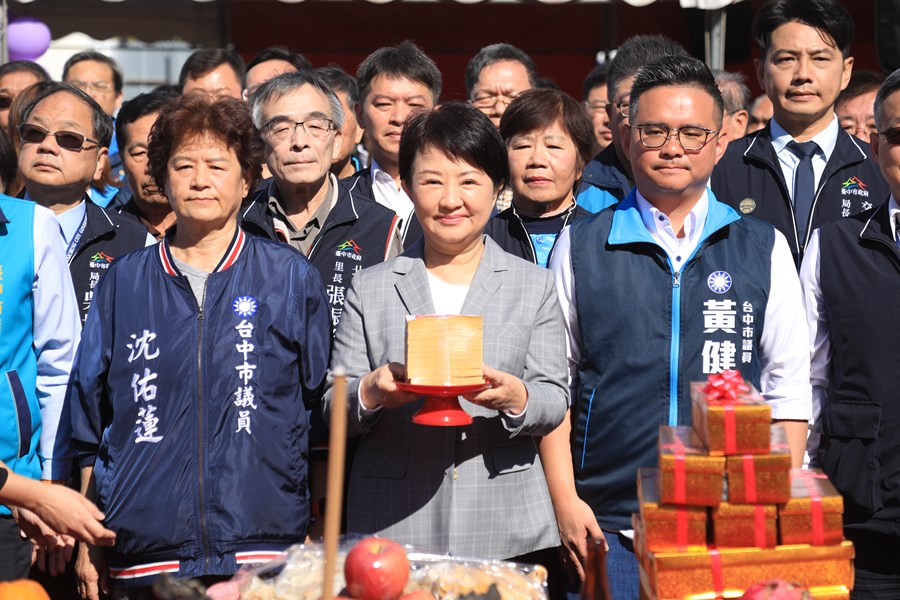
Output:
x=70 y=140
x=5 y=102
x=891 y=136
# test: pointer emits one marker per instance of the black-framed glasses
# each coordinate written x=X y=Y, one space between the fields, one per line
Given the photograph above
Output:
x=5 y=102
x=486 y=102
x=70 y=140
x=891 y=136
x=281 y=130
x=691 y=138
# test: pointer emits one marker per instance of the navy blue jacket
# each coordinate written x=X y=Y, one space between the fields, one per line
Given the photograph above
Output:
x=859 y=448
x=195 y=417
x=644 y=338
x=106 y=237
x=749 y=179
x=357 y=233
x=360 y=185
x=507 y=229
x=604 y=182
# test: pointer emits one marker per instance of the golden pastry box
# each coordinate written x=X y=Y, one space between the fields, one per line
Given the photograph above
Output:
x=761 y=478
x=814 y=513
x=728 y=572
x=738 y=425
x=687 y=473
x=668 y=526
x=745 y=525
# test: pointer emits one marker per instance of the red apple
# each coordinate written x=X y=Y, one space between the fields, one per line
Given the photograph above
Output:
x=776 y=589
x=376 y=569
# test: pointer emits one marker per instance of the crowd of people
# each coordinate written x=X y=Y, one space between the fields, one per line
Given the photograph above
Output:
x=183 y=273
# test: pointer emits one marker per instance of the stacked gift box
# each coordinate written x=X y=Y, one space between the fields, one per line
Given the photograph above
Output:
x=724 y=510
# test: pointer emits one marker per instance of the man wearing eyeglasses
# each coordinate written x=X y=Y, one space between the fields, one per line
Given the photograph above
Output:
x=100 y=77
x=665 y=288
x=801 y=170
x=305 y=205
x=607 y=179
x=851 y=277
x=65 y=136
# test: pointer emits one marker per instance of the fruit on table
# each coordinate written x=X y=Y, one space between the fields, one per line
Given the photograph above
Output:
x=776 y=589
x=22 y=589
x=376 y=569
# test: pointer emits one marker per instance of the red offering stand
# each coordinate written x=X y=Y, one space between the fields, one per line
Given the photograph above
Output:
x=441 y=405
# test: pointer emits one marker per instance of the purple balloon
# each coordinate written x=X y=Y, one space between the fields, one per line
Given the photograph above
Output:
x=27 y=38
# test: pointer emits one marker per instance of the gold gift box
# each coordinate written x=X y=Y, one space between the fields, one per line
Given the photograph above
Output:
x=703 y=475
x=680 y=575
x=761 y=478
x=828 y=592
x=668 y=526
x=752 y=418
x=745 y=525
x=796 y=520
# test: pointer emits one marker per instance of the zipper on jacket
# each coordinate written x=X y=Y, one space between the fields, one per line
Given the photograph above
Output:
x=527 y=236
x=674 y=345
x=203 y=533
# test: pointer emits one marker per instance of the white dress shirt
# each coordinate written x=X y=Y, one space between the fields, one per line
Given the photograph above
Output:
x=784 y=380
x=388 y=194
x=819 y=330
x=57 y=332
x=825 y=140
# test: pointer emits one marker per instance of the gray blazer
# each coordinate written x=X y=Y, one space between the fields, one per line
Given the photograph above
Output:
x=477 y=490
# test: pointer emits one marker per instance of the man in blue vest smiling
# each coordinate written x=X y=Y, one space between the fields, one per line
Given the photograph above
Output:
x=663 y=289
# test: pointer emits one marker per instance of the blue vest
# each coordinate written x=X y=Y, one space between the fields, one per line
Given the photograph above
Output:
x=20 y=416
x=648 y=330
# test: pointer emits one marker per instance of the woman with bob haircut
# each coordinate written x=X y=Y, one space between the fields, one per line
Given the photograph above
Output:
x=196 y=364
x=549 y=137
x=473 y=490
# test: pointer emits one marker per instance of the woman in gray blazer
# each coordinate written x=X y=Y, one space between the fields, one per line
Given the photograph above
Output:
x=476 y=490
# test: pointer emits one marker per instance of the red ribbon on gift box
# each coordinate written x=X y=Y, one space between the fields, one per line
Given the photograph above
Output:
x=718 y=577
x=723 y=389
x=759 y=526
x=815 y=498
x=679 y=454
x=681 y=528
x=749 y=467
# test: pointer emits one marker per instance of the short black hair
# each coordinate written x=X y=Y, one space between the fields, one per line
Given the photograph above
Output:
x=101 y=123
x=827 y=16
x=596 y=78
x=99 y=57
x=295 y=59
x=460 y=131
x=534 y=110
x=8 y=163
x=735 y=92
x=636 y=52
x=16 y=66
x=493 y=54
x=205 y=60
x=403 y=60
x=340 y=81
x=140 y=106
x=678 y=71
x=890 y=86
x=861 y=82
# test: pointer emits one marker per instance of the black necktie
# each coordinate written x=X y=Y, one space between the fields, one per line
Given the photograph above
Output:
x=804 y=184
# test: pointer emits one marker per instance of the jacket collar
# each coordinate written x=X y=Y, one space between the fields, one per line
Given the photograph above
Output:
x=847 y=151
x=628 y=227
x=235 y=249
x=878 y=228
x=416 y=293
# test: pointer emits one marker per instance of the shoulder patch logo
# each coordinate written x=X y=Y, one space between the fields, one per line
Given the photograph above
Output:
x=244 y=306
x=719 y=282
